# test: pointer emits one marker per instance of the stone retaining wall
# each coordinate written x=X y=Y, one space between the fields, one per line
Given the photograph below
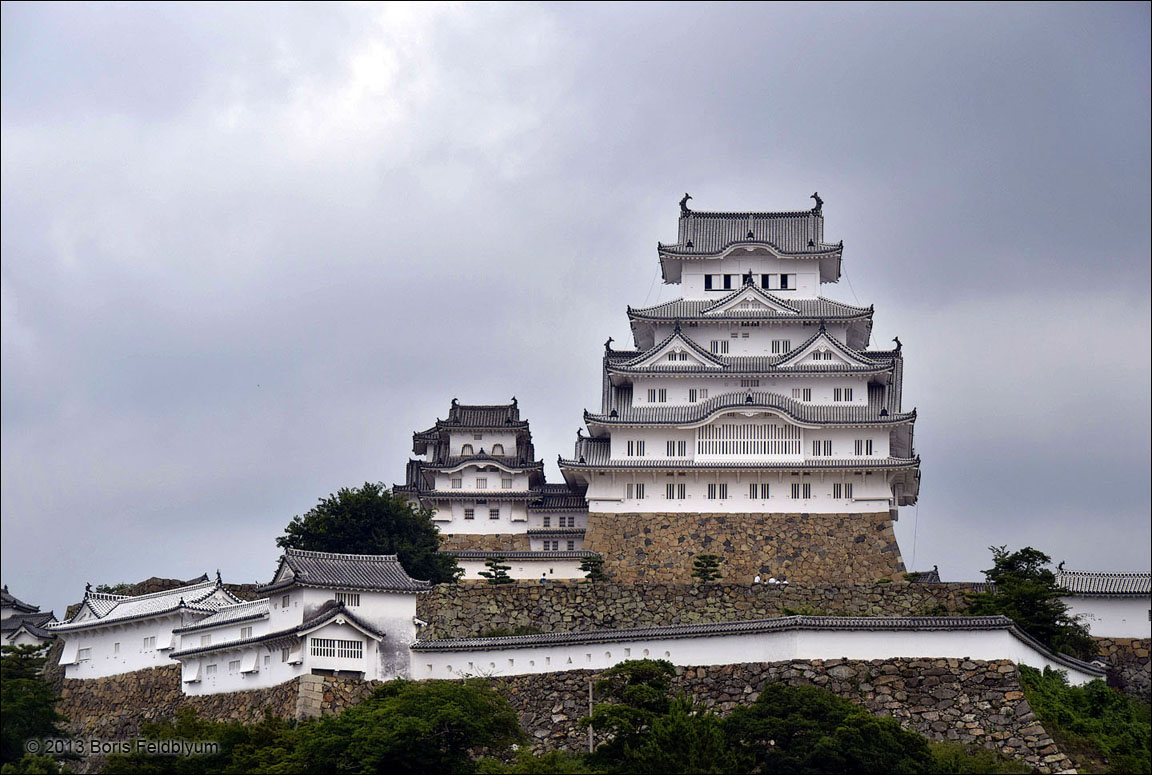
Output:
x=469 y=611
x=1129 y=658
x=660 y=548
x=943 y=699
x=495 y=542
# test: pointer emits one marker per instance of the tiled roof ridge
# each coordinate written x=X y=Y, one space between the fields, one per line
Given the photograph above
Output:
x=735 y=214
x=755 y=289
x=820 y=248
x=676 y=334
x=114 y=597
x=705 y=303
x=337 y=556
x=1106 y=573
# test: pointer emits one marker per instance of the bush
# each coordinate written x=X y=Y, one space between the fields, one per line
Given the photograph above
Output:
x=1100 y=728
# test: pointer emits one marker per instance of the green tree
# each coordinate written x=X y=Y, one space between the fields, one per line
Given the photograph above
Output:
x=410 y=727
x=632 y=694
x=593 y=568
x=1025 y=590
x=372 y=520
x=497 y=572
x=27 y=704
x=802 y=729
x=706 y=568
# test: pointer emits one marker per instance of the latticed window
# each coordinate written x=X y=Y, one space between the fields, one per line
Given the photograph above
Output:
x=348 y=598
x=718 y=491
x=339 y=649
x=748 y=439
x=506 y=483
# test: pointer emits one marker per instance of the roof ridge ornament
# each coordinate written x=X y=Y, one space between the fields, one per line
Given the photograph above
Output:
x=818 y=209
x=899 y=345
x=684 y=204
x=608 y=344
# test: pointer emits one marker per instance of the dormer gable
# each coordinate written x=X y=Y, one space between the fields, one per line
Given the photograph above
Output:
x=750 y=300
x=823 y=349
x=676 y=352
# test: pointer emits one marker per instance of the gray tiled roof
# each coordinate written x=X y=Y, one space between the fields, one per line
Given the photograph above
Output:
x=711 y=232
x=117 y=608
x=1102 y=584
x=35 y=623
x=519 y=554
x=596 y=453
x=368 y=572
x=806 y=309
x=840 y=623
x=558 y=497
x=10 y=601
x=490 y=416
x=872 y=413
x=491 y=495
x=329 y=610
x=482 y=458
x=249 y=609
x=556 y=532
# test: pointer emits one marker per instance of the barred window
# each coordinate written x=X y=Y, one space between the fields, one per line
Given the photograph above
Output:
x=506 y=483
x=481 y=483
x=348 y=598
x=749 y=383
x=781 y=346
x=821 y=447
x=340 y=649
x=719 y=346
x=245 y=632
x=635 y=448
x=863 y=447
x=494 y=513
x=801 y=490
x=676 y=491
x=717 y=491
x=457 y=484
x=748 y=439
x=469 y=513
x=634 y=490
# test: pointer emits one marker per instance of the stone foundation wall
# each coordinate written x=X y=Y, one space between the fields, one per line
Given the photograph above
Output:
x=114 y=707
x=495 y=542
x=469 y=611
x=944 y=699
x=844 y=548
x=1132 y=671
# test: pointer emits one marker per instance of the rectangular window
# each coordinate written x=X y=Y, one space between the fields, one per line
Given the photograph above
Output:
x=340 y=649
x=734 y=335
x=677 y=448
x=651 y=395
x=863 y=447
x=802 y=394
x=676 y=491
x=150 y=643
x=634 y=490
x=781 y=346
x=821 y=447
x=210 y=670
x=635 y=448
x=708 y=282
x=671 y=356
x=234 y=666
x=481 y=483
x=457 y=484
x=787 y=282
x=469 y=513
x=801 y=491
x=718 y=491
x=115 y=648
x=547 y=521
x=477 y=436
x=842 y=394
x=765 y=281
x=730 y=281
x=745 y=438
x=285 y=655
x=347 y=598
x=719 y=346
x=493 y=513
x=205 y=640
x=571 y=546
x=285 y=601
x=84 y=655
x=837 y=490
x=662 y=395
x=749 y=383
x=267 y=660
x=764 y=490
x=245 y=632
x=848 y=490
x=506 y=483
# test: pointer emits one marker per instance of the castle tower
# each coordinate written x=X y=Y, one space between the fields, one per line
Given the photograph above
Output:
x=750 y=420
x=477 y=472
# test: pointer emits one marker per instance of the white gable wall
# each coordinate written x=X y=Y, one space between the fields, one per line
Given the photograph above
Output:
x=1113 y=617
x=104 y=657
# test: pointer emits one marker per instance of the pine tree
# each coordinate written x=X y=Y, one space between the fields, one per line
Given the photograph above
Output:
x=497 y=572
x=593 y=567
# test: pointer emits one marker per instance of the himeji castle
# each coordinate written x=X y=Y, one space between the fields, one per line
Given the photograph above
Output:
x=751 y=418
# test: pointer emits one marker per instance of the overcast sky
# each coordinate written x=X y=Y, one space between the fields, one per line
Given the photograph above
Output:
x=248 y=250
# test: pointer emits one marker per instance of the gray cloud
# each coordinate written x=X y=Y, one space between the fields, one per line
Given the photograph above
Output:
x=248 y=250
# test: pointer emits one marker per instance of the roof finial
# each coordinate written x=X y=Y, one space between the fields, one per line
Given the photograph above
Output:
x=608 y=344
x=899 y=346
x=579 y=434
x=219 y=581
x=513 y=400
x=676 y=330
x=823 y=328
x=87 y=589
x=454 y=402
x=819 y=203
x=748 y=278
x=1060 y=567
x=748 y=399
x=684 y=204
